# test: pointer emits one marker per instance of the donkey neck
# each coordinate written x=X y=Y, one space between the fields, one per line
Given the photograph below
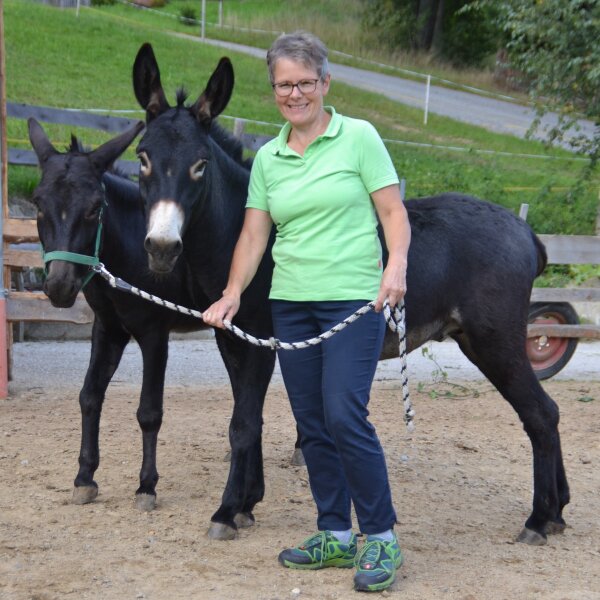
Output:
x=216 y=220
x=124 y=224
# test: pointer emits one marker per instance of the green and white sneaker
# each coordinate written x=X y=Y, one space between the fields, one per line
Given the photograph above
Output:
x=320 y=551
x=376 y=565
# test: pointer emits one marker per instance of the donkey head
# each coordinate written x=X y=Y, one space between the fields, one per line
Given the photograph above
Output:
x=175 y=154
x=69 y=199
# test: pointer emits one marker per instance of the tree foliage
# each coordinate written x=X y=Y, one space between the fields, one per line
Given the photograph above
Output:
x=555 y=46
x=436 y=26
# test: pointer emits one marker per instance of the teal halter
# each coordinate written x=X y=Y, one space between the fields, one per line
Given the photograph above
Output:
x=80 y=259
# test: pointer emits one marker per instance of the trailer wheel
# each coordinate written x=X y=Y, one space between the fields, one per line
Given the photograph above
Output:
x=548 y=355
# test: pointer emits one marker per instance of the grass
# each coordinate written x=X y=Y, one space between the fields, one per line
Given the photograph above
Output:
x=86 y=63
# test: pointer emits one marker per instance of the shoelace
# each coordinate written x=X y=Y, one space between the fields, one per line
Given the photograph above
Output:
x=369 y=553
x=313 y=540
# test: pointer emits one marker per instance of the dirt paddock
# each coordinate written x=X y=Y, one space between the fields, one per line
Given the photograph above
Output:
x=462 y=488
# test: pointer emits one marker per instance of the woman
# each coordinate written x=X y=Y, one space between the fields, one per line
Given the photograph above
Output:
x=323 y=181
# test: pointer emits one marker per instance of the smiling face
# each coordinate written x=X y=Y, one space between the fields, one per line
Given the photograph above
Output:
x=303 y=111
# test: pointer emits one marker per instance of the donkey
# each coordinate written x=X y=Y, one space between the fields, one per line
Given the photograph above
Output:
x=81 y=205
x=470 y=274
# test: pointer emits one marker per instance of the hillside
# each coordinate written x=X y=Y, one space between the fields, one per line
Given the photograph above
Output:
x=86 y=62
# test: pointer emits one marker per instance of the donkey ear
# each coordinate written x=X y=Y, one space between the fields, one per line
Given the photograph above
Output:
x=217 y=93
x=146 y=83
x=103 y=156
x=40 y=142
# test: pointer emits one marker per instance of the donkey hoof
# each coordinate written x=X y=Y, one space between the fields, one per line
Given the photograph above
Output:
x=145 y=502
x=84 y=494
x=531 y=537
x=297 y=459
x=553 y=527
x=244 y=520
x=220 y=531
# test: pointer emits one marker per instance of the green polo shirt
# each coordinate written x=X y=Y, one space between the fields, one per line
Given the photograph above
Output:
x=326 y=245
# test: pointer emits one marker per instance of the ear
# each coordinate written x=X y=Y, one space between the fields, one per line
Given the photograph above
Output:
x=217 y=93
x=76 y=145
x=40 y=142
x=103 y=156
x=146 y=83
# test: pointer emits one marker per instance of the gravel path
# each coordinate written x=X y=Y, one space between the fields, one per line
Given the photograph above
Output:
x=195 y=362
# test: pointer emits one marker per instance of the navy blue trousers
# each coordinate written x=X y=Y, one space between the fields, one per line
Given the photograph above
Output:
x=329 y=386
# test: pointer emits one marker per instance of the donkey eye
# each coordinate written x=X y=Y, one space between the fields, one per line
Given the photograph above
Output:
x=145 y=165
x=197 y=169
x=93 y=213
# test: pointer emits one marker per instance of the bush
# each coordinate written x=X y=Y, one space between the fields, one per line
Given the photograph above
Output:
x=470 y=37
x=103 y=2
x=188 y=15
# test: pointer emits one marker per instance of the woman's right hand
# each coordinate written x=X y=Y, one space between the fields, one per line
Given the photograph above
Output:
x=225 y=308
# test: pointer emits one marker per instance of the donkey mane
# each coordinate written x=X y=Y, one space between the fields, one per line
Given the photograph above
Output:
x=231 y=145
x=181 y=96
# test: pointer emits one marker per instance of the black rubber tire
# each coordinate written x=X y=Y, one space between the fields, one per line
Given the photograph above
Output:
x=549 y=356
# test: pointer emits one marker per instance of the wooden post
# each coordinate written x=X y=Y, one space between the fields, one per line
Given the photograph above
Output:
x=523 y=211
x=203 y=18
x=238 y=127
x=4 y=341
x=427 y=87
x=598 y=216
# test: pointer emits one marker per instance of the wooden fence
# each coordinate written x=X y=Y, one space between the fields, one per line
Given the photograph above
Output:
x=568 y=250
x=33 y=306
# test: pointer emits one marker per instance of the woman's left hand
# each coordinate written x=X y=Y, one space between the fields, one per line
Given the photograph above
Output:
x=393 y=286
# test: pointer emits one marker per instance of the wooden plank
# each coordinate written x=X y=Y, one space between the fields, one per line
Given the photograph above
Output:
x=569 y=331
x=5 y=331
x=565 y=295
x=35 y=306
x=572 y=249
x=20 y=231
x=75 y=118
x=22 y=258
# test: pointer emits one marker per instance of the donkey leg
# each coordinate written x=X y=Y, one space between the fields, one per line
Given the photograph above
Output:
x=108 y=343
x=250 y=370
x=297 y=459
x=154 y=346
x=557 y=524
x=503 y=360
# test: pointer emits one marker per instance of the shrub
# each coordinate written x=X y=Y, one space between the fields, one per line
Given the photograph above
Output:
x=188 y=15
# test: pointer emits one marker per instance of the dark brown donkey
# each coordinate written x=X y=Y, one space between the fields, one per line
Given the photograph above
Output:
x=81 y=205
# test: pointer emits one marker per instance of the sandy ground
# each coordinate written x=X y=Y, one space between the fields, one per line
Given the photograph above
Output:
x=462 y=488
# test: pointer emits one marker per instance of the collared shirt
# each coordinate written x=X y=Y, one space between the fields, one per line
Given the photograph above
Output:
x=326 y=245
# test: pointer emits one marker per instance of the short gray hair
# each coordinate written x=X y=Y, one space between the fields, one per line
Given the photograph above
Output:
x=299 y=46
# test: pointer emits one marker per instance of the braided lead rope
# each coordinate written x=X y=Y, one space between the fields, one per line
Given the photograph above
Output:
x=395 y=320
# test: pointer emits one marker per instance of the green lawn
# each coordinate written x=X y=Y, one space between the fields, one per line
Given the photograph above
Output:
x=56 y=59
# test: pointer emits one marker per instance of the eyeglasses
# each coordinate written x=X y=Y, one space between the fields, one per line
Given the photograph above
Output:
x=306 y=86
